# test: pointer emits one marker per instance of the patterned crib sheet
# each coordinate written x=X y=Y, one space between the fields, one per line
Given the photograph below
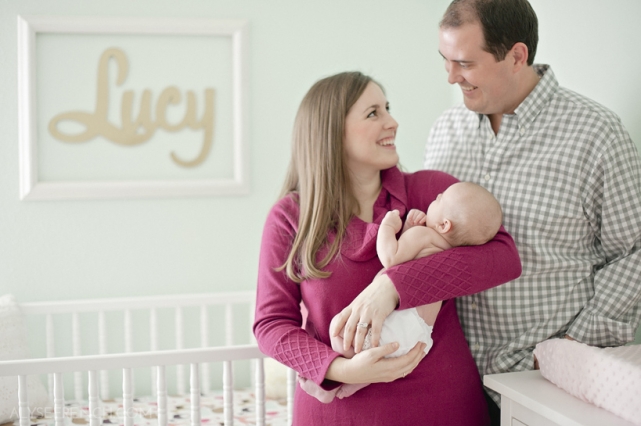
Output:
x=145 y=411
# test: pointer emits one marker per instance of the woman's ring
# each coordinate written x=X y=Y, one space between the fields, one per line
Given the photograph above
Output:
x=404 y=374
x=363 y=324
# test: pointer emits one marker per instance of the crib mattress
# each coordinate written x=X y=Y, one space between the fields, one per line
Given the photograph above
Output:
x=178 y=411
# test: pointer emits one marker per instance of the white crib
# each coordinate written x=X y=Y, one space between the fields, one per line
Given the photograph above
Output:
x=119 y=319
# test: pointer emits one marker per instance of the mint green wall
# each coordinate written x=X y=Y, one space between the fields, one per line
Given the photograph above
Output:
x=78 y=249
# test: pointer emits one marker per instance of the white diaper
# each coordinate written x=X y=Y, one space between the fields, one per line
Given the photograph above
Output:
x=405 y=327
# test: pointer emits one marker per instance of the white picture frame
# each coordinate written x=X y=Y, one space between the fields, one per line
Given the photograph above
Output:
x=31 y=188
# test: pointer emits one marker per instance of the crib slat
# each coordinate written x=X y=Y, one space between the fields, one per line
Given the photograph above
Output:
x=194 y=392
x=180 y=369
x=102 y=348
x=127 y=396
x=228 y=396
x=291 y=389
x=161 y=396
x=23 y=401
x=92 y=390
x=129 y=338
x=77 y=376
x=229 y=325
x=260 y=392
x=153 y=346
x=51 y=350
x=252 y=310
x=228 y=368
x=58 y=399
x=129 y=332
x=204 y=342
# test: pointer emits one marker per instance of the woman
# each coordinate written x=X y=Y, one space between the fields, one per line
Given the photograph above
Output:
x=319 y=247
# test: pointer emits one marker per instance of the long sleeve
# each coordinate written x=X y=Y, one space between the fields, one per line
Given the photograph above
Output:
x=456 y=272
x=612 y=202
x=278 y=319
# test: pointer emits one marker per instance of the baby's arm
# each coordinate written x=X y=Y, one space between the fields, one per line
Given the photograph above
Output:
x=414 y=218
x=386 y=243
x=416 y=242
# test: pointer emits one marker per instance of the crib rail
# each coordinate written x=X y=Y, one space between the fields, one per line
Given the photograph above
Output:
x=221 y=302
x=144 y=302
x=91 y=364
x=132 y=360
x=214 y=313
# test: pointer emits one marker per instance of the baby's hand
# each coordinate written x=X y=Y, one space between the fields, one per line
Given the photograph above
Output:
x=393 y=219
x=414 y=218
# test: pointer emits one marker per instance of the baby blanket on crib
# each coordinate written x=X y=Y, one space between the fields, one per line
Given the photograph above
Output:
x=609 y=378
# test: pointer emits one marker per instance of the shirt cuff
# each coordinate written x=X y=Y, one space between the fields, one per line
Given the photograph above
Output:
x=597 y=330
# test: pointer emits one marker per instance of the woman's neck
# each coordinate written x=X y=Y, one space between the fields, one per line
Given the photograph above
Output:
x=366 y=190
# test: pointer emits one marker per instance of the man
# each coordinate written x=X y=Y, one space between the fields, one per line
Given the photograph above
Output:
x=567 y=176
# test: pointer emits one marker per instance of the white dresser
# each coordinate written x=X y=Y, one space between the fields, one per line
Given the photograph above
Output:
x=527 y=399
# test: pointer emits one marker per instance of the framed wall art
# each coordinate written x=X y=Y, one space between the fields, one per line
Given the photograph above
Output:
x=131 y=107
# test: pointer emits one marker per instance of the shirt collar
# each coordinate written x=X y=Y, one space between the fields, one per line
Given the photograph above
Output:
x=537 y=100
x=539 y=97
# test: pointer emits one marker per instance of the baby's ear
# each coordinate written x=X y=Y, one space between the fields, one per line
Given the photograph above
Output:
x=444 y=227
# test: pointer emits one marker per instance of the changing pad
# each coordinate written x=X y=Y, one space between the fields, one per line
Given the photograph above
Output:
x=609 y=378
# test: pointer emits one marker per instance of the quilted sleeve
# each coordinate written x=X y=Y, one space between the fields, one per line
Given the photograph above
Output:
x=456 y=272
x=278 y=319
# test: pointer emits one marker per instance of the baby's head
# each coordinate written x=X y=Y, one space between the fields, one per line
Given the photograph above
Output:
x=466 y=214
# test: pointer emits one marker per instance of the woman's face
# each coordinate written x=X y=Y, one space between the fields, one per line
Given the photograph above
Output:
x=370 y=132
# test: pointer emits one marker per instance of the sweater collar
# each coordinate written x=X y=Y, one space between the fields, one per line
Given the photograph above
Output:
x=359 y=243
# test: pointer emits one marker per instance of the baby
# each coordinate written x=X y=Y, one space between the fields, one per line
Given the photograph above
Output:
x=464 y=214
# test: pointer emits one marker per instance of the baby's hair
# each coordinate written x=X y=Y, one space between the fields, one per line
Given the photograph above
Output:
x=476 y=215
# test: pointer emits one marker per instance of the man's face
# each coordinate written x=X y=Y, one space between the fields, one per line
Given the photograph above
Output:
x=487 y=85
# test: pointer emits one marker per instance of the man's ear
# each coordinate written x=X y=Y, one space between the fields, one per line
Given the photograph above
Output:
x=444 y=226
x=519 y=54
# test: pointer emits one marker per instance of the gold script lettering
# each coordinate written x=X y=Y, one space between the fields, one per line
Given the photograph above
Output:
x=140 y=130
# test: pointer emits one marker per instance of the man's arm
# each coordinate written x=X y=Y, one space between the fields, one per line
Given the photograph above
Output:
x=612 y=203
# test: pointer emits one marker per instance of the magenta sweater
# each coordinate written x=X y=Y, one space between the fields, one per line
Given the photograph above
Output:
x=445 y=389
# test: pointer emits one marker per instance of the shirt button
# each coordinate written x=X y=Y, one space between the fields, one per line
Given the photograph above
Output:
x=477 y=346
x=487 y=177
x=522 y=131
x=474 y=305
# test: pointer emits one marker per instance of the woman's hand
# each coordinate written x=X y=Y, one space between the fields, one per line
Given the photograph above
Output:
x=368 y=309
x=371 y=366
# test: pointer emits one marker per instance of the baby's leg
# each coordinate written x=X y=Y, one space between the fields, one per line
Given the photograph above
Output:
x=316 y=391
x=429 y=312
x=346 y=390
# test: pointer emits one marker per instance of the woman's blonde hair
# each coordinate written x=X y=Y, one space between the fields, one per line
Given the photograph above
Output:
x=318 y=173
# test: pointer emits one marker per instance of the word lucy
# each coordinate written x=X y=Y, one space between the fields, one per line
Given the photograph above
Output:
x=143 y=128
